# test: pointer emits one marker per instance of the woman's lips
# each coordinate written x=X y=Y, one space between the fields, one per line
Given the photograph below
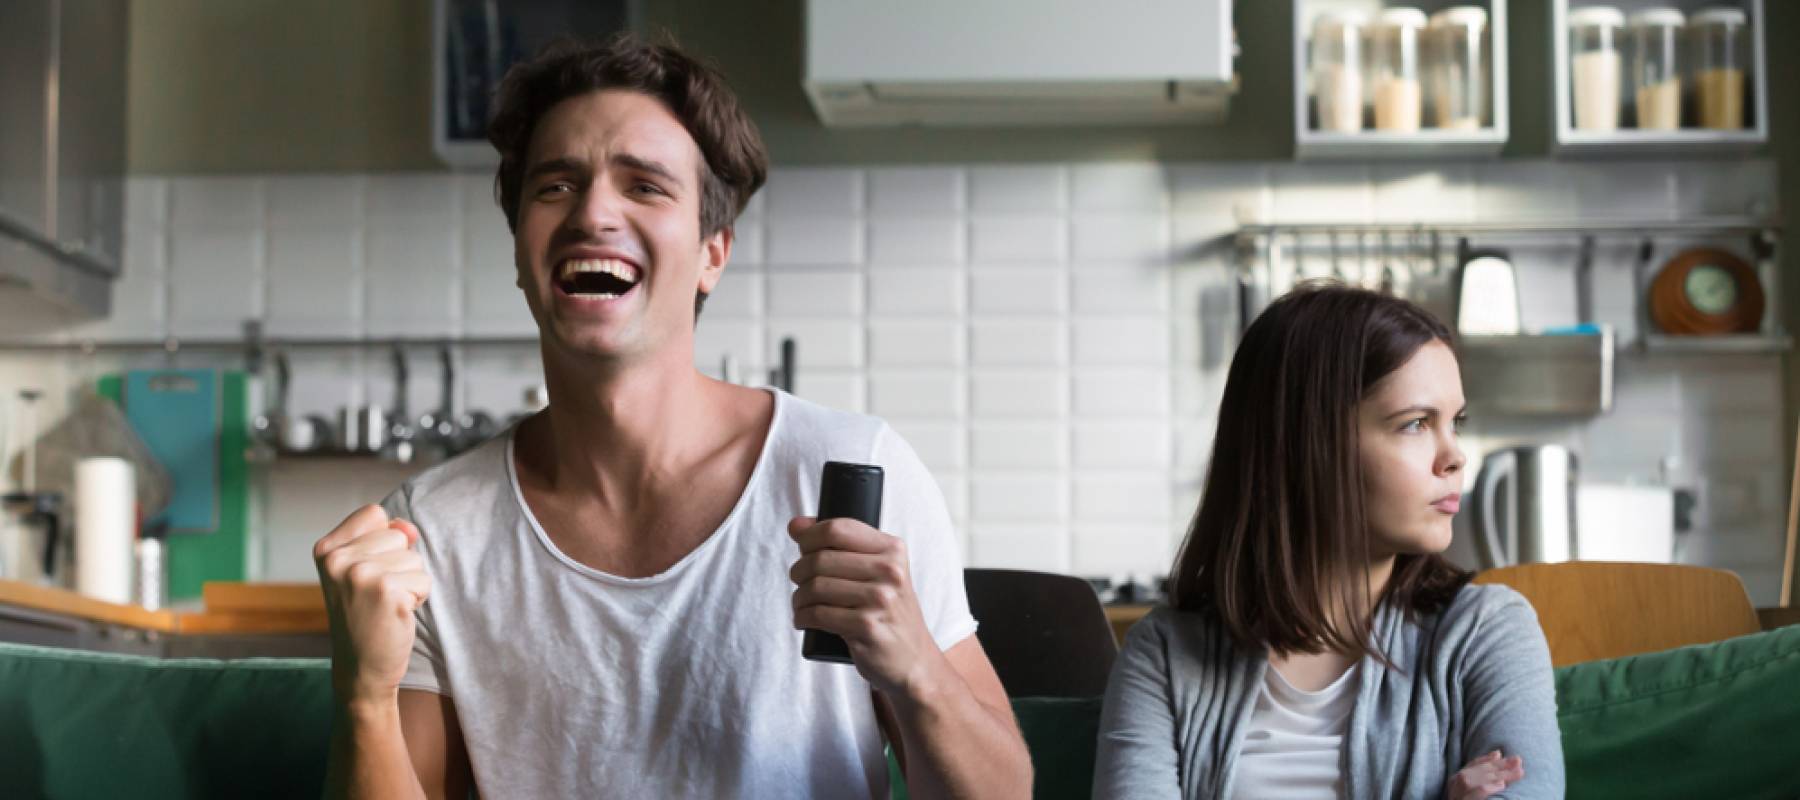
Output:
x=1448 y=504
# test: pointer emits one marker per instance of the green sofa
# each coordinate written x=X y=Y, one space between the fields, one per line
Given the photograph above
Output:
x=1716 y=720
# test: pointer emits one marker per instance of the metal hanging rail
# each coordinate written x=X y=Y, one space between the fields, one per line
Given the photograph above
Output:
x=1718 y=225
x=1273 y=256
x=177 y=344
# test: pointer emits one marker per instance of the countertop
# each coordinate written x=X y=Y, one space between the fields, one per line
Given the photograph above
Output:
x=266 y=608
x=227 y=608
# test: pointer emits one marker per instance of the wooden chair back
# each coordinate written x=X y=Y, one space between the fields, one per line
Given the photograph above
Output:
x=1599 y=609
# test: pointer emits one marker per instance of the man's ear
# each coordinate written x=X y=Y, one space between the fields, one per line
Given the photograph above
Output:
x=715 y=251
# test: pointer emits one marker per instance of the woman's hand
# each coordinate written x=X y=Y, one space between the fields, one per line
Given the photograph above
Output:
x=1485 y=776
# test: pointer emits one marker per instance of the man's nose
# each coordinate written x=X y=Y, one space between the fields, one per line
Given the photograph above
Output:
x=597 y=211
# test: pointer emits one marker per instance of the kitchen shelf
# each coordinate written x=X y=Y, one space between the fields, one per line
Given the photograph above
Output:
x=1450 y=230
x=1269 y=256
x=1538 y=373
x=176 y=344
x=1632 y=142
x=266 y=456
x=1643 y=143
x=1664 y=344
x=1427 y=143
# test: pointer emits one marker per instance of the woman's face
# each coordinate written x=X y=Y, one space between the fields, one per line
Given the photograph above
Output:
x=1412 y=467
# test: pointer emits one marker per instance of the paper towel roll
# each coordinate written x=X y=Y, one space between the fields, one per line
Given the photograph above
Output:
x=105 y=525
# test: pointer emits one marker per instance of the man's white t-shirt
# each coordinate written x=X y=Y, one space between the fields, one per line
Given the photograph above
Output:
x=570 y=681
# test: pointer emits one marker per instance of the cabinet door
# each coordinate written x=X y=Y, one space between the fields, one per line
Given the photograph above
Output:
x=25 y=42
x=90 y=143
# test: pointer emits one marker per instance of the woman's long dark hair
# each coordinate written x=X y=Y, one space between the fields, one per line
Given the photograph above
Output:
x=1281 y=538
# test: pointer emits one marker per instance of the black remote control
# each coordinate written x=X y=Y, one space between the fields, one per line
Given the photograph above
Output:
x=852 y=491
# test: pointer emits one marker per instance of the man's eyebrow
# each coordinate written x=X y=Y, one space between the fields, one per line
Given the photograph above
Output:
x=646 y=165
x=564 y=164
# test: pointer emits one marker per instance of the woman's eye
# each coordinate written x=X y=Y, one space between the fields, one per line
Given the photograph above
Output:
x=1458 y=423
x=1413 y=426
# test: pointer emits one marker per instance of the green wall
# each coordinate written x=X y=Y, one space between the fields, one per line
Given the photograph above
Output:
x=221 y=86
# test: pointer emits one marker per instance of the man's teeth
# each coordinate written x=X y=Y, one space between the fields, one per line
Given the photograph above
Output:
x=601 y=278
x=609 y=266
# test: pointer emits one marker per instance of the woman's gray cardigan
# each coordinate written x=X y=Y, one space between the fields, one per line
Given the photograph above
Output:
x=1468 y=680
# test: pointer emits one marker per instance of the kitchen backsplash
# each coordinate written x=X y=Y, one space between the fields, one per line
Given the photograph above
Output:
x=1052 y=339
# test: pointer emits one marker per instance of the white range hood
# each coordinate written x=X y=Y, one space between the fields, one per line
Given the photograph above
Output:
x=1018 y=62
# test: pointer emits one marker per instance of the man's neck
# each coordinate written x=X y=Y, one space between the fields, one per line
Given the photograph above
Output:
x=621 y=429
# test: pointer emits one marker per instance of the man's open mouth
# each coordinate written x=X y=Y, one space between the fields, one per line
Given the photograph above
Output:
x=596 y=278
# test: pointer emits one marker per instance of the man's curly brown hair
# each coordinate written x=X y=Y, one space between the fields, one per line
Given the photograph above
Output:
x=736 y=163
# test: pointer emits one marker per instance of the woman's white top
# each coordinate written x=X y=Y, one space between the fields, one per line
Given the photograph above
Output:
x=1293 y=748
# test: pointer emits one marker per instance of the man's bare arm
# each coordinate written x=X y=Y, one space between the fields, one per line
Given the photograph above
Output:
x=963 y=740
x=387 y=743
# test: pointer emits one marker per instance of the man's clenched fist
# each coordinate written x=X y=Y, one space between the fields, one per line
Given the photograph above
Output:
x=373 y=582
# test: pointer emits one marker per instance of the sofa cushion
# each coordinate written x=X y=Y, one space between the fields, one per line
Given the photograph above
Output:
x=1060 y=733
x=1712 y=720
x=82 y=724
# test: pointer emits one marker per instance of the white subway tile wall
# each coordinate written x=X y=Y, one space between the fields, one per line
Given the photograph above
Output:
x=905 y=242
x=815 y=294
x=1035 y=241
x=1052 y=339
x=899 y=191
x=917 y=292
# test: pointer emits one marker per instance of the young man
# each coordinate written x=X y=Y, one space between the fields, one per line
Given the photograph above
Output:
x=617 y=586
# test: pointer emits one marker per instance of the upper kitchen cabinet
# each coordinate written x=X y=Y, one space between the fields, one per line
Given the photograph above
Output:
x=1637 y=77
x=475 y=41
x=1399 y=80
x=62 y=150
x=1019 y=62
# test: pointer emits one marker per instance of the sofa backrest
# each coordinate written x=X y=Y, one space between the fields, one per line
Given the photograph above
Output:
x=82 y=724
x=1714 y=720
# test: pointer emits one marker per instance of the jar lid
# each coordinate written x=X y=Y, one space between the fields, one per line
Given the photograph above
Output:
x=1596 y=17
x=1402 y=17
x=1339 y=18
x=1668 y=17
x=1721 y=15
x=1466 y=16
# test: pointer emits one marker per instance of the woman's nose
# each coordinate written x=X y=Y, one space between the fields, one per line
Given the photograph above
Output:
x=1450 y=457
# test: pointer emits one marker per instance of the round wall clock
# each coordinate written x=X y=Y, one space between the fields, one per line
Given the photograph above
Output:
x=1706 y=291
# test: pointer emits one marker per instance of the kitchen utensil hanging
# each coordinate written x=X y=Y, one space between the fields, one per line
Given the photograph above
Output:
x=1273 y=256
x=1487 y=291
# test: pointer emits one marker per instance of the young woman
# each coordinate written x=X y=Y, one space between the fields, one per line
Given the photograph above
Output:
x=1316 y=644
